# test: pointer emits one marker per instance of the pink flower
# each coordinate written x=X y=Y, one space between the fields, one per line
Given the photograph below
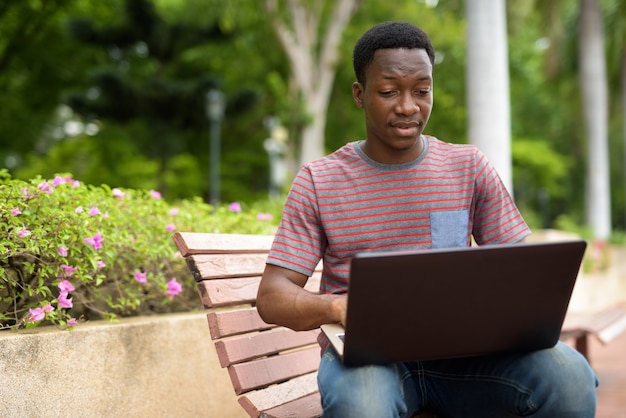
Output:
x=79 y=209
x=170 y=227
x=75 y=183
x=72 y=322
x=101 y=264
x=22 y=233
x=174 y=211
x=36 y=314
x=26 y=192
x=58 y=180
x=45 y=187
x=62 y=251
x=173 y=288
x=264 y=217
x=95 y=241
x=15 y=212
x=106 y=215
x=117 y=193
x=155 y=194
x=68 y=270
x=64 y=301
x=235 y=207
x=140 y=277
x=65 y=286
x=94 y=211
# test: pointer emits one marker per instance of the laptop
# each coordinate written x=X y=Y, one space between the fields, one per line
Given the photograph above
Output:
x=457 y=302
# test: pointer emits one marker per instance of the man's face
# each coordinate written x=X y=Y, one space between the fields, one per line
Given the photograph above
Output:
x=397 y=99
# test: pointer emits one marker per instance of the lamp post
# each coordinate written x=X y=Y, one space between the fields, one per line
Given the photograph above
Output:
x=214 y=106
x=276 y=147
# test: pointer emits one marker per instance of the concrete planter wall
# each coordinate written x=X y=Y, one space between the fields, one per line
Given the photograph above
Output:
x=157 y=366
x=596 y=290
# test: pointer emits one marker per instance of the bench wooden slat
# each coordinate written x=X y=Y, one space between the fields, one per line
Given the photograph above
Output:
x=211 y=266
x=236 y=321
x=281 y=393
x=263 y=372
x=190 y=243
x=605 y=324
x=309 y=406
x=616 y=328
x=238 y=290
x=250 y=346
x=233 y=291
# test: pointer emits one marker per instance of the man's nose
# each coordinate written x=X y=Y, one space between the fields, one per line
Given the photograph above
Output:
x=407 y=104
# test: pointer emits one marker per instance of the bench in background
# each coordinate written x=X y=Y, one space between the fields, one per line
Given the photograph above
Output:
x=274 y=369
x=604 y=325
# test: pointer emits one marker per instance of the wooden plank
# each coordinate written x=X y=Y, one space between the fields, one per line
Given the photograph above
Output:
x=307 y=407
x=189 y=243
x=218 y=266
x=235 y=321
x=595 y=322
x=281 y=393
x=610 y=332
x=261 y=344
x=233 y=291
x=263 y=372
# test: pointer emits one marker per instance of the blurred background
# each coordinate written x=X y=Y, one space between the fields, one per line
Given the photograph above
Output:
x=225 y=99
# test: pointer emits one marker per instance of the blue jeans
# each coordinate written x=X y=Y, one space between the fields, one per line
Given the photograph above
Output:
x=557 y=382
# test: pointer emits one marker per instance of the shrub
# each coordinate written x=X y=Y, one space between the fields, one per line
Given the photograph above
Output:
x=72 y=252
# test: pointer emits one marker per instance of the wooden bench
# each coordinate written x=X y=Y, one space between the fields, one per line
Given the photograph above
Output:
x=274 y=369
x=604 y=325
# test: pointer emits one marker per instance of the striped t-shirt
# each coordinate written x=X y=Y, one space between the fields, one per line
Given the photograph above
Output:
x=346 y=203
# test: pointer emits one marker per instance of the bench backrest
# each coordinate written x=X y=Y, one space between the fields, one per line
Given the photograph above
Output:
x=274 y=369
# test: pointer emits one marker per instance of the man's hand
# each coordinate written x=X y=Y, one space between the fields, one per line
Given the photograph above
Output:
x=339 y=306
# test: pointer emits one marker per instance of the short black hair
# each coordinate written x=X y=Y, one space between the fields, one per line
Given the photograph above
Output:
x=388 y=35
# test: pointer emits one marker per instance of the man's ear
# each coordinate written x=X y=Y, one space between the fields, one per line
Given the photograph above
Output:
x=357 y=94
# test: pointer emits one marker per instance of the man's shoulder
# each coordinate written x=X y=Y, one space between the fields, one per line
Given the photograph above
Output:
x=437 y=145
x=346 y=155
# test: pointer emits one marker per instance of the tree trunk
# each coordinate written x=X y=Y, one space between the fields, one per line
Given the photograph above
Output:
x=623 y=82
x=593 y=82
x=313 y=67
x=488 y=100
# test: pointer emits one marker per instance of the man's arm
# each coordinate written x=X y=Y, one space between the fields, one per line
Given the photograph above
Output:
x=282 y=300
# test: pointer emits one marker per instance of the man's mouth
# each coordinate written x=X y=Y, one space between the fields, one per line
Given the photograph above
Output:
x=406 y=125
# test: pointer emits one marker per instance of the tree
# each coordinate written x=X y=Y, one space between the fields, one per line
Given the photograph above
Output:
x=36 y=64
x=312 y=47
x=593 y=82
x=488 y=99
x=146 y=80
x=615 y=37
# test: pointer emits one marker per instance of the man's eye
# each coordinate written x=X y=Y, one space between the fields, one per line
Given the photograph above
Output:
x=386 y=93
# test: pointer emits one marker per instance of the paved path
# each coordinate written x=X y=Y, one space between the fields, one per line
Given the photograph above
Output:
x=609 y=362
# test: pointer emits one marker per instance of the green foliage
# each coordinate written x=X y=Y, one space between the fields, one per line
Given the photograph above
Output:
x=41 y=64
x=51 y=232
x=537 y=165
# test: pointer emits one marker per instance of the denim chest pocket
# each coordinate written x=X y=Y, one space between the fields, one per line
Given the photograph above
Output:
x=449 y=228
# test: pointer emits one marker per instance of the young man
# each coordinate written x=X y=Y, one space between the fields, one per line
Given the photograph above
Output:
x=399 y=189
